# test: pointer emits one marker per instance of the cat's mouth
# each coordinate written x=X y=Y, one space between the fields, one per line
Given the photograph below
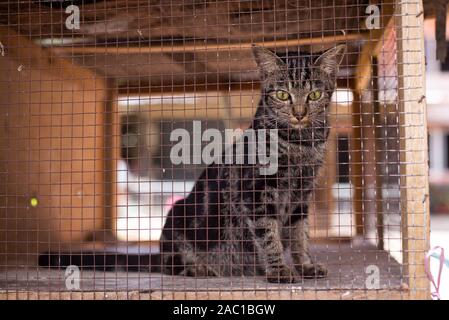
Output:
x=301 y=120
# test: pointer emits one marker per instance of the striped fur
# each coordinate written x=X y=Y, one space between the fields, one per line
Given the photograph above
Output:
x=239 y=222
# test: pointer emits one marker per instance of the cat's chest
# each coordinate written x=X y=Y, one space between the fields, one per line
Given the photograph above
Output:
x=300 y=162
x=297 y=177
x=304 y=152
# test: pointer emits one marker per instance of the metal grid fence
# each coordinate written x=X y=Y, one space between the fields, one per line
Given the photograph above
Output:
x=118 y=114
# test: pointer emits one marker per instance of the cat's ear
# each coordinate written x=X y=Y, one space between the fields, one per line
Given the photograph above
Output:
x=330 y=60
x=268 y=62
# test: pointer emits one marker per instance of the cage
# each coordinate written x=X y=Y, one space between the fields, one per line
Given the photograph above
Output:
x=92 y=92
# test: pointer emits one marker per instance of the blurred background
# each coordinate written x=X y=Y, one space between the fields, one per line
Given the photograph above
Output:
x=437 y=95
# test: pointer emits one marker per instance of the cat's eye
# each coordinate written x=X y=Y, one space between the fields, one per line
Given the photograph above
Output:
x=282 y=95
x=314 y=95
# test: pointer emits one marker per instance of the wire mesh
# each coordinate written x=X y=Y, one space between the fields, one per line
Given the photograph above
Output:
x=116 y=113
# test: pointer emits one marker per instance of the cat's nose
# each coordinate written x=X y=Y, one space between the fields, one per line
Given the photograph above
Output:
x=299 y=111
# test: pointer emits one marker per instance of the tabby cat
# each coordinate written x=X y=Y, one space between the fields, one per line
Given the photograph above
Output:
x=237 y=221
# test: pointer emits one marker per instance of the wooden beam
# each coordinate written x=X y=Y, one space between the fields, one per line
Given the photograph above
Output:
x=413 y=138
x=378 y=151
x=111 y=157
x=210 y=47
x=362 y=81
x=146 y=89
x=280 y=294
x=366 y=172
x=203 y=105
x=356 y=165
x=429 y=9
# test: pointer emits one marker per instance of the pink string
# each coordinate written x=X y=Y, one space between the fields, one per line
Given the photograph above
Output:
x=436 y=293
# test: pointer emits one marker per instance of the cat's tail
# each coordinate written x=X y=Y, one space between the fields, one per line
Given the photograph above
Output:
x=102 y=260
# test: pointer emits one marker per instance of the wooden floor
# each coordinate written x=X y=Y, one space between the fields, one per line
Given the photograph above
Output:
x=347 y=267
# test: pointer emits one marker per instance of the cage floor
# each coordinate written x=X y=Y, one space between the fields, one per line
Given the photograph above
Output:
x=346 y=264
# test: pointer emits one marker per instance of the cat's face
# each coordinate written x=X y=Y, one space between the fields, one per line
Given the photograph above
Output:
x=297 y=89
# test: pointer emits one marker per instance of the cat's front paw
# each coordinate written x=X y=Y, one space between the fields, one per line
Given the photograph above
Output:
x=281 y=275
x=312 y=270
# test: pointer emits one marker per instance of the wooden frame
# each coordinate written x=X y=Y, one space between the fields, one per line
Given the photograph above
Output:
x=413 y=137
x=403 y=16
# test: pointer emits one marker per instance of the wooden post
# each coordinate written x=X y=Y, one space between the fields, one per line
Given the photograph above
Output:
x=355 y=147
x=413 y=138
x=377 y=157
x=325 y=196
x=368 y=182
x=111 y=157
x=368 y=146
x=364 y=74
